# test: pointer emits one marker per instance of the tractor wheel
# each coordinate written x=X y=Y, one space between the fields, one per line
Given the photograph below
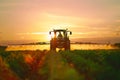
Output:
x=52 y=45
x=67 y=46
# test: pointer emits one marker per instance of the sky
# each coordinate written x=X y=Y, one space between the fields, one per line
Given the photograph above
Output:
x=31 y=20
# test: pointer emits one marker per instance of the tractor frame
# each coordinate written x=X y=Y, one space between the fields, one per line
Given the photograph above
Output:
x=60 y=39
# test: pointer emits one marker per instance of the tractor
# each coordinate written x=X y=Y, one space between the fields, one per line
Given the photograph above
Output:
x=60 y=39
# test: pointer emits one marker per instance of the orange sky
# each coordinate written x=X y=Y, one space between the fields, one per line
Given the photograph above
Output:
x=89 y=20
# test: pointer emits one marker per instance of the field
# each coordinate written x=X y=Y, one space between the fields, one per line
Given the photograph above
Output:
x=63 y=65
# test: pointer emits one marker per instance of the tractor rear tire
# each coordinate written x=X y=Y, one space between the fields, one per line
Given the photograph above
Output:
x=67 y=45
x=52 y=45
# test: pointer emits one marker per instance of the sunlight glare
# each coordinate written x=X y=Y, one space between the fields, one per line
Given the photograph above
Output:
x=28 y=58
x=50 y=36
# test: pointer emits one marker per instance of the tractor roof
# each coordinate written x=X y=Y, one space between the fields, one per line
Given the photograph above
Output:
x=58 y=30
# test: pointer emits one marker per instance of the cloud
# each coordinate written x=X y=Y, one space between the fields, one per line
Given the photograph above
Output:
x=33 y=33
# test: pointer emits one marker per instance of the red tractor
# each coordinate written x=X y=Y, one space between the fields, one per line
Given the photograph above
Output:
x=60 y=39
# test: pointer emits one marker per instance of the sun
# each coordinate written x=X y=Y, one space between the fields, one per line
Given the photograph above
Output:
x=49 y=37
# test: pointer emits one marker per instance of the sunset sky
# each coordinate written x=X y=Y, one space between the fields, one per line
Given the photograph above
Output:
x=89 y=20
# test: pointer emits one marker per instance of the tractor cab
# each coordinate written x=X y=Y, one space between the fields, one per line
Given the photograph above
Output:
x=60 y=39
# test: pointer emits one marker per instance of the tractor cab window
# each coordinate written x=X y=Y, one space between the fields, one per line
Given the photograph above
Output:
x=60 y=35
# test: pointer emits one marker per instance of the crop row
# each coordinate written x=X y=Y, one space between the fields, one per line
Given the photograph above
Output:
x=25 y=64
x=95 y=64
x=38 y=65
x=64 y=65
